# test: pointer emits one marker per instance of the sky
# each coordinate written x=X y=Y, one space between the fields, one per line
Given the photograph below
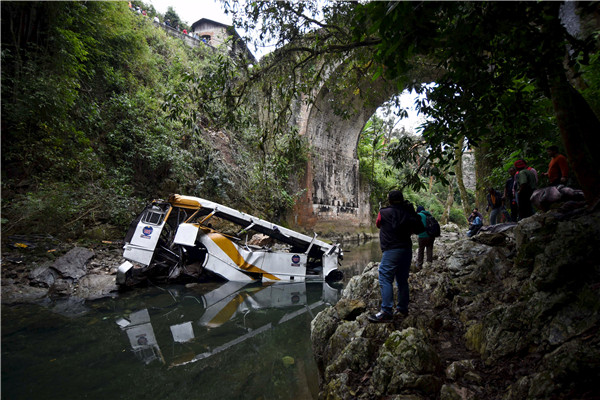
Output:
x=191 y=11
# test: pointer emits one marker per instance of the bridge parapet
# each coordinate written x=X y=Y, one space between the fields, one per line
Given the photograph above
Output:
x=189 y=40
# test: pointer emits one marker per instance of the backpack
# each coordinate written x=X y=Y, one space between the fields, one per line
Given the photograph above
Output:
x=432 y=227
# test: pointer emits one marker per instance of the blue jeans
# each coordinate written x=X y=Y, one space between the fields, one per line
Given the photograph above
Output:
x=394 y=265
x=494 y=216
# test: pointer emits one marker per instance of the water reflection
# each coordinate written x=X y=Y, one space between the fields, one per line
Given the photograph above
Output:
x=212 y=341
x=356 y=258
x=207 y=328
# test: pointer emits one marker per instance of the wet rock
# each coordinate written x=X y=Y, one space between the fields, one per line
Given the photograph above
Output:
x=321 y=329
x=96 y=286
x=62 y=288
x=13 y=294
x=70 y=307
x=43 y=276
x=72 y=265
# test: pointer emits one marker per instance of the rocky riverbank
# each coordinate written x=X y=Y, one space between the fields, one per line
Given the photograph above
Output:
x=509 y=314
x=39 y=269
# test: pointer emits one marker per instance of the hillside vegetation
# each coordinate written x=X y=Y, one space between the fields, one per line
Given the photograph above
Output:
x=91 y=123
x=103 y=111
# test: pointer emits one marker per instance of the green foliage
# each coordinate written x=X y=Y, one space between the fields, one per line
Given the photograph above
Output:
x=174 y=19
x=384 y=174
x=496 y=66
x=67 y=209
x=103 y=111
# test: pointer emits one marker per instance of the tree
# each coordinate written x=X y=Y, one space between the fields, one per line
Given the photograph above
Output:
x=458 y=170
x=494 y=64
x=497 y=60
x=172 y=16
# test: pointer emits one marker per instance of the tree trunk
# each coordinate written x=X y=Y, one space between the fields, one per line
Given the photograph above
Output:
x=580 y=131
x=458 y=169
x=449 y=201
x=483 y=170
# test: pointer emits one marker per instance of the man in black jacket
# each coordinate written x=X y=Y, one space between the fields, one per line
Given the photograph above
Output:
x=396 y=223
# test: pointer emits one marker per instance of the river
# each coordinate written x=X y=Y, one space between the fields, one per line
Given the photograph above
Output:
x=211 y=341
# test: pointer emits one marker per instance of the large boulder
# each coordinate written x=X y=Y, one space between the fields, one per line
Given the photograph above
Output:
x=73 y=264
x=92 y=287
x=13 y=294
x=406 y=361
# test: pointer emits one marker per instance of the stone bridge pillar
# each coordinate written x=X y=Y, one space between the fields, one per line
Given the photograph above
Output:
x=334 y=198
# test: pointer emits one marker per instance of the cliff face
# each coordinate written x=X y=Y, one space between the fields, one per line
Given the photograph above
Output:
x=511 y=314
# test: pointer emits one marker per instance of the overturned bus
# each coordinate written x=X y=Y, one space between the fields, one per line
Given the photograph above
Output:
x=183 y=239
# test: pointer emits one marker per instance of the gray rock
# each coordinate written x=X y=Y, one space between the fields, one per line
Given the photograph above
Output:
x=96 y=286
x=72 y=265
x=455 y=392
x=321 y=329
x=528 y=307
x=70 y=307
x=404 y=357
x=458 y=369
x=62 y=287
x=14 y=294
x=345 y=333
x=349 y=309
x=42 y=276
x=355 y=357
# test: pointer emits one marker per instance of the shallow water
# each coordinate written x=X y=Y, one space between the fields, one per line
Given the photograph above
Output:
x=213 y=341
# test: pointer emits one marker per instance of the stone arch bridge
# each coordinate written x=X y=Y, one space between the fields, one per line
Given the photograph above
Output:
x=335 y=199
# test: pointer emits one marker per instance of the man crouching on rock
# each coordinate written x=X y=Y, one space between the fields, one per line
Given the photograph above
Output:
x=396 y=223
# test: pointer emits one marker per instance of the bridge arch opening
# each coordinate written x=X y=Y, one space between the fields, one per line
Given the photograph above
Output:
x=335 y=199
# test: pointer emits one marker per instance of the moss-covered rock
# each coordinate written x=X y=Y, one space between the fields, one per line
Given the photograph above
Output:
x=403 y=359
x=522 y=319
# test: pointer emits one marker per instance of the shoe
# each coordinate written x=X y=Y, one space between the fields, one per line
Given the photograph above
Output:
x=399 y=313
x=381 y=316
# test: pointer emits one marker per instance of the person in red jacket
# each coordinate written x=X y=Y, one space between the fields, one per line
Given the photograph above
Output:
x=558 y=169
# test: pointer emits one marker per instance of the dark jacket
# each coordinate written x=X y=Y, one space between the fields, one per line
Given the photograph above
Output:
x=494 y=204
x=396 y=223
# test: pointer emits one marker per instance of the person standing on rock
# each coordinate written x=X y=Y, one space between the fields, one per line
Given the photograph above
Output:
x=495 y=202
x=396 y=224
x=425 y=240
x=558 y=169
x=526 y=183
x=510 y=202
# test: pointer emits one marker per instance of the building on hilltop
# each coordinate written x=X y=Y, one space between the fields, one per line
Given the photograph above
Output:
x=215 y=34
